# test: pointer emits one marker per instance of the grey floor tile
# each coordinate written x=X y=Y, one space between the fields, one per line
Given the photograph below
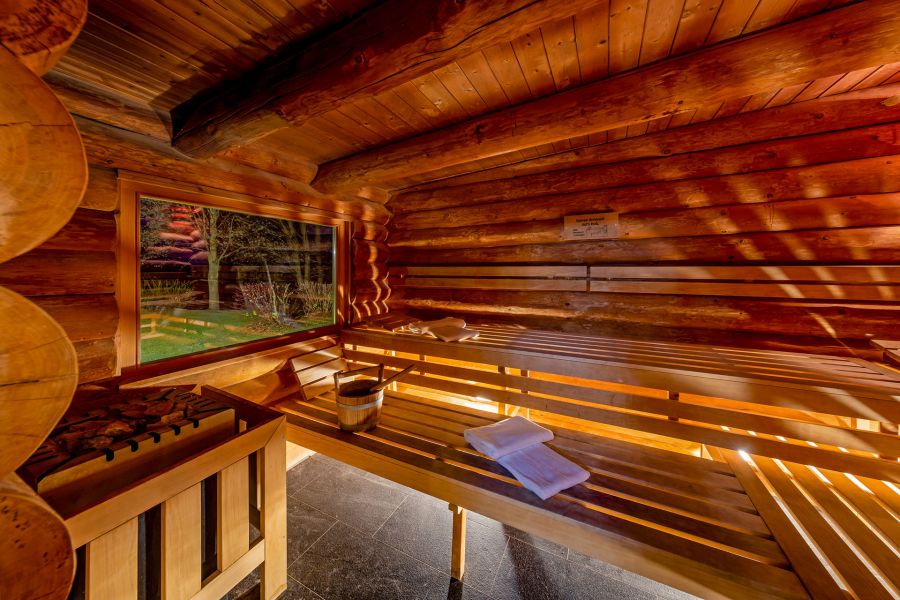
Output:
x=310 y=469
x=422 y=528
x=347 y=564
x=527 y=573
x=614 y=572
x=305 y=525
x=343 y=493
x=248 y=589
x=445 y=587
x=536 y=541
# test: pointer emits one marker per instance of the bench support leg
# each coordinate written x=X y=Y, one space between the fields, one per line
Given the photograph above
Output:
x=458 y=548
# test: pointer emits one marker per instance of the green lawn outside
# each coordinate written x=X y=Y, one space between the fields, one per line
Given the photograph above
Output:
x=208 y=329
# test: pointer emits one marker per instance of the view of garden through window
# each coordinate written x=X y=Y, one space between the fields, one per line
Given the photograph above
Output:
x=212 y=278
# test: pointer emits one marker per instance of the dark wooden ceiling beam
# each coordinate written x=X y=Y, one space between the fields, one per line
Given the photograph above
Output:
x=853 y=37
x=385 y=46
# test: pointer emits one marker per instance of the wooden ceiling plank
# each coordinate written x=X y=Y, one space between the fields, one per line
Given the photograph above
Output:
x=731 y=20
x=377 y=111
x=696 y=21
x=98 y=48
x=850 y=38
x=767 y=14
x=113 y=79
x=477 y=70
x=880 y=76
x=170 y=33
x=342 y=117
x=505 y=67
x=853 y=109
x=626 y=31
x=212 y=26
x=255 y=20
x=559 y=42
x=532 y=57
x=659 y=33
x=705 y=113
x=732 y=107
x=363 y=114
x=399 y=107
x=130 y=43
x=432 y=88
x=452 y=77
x=849 y=81
x=759 y=101
x=817 y=87
x=592 y=42
x=385 y=46
x=413 y=96
x=804 y=8
x=786 y=95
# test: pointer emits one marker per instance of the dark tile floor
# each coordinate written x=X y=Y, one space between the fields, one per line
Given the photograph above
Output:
x=354 y=536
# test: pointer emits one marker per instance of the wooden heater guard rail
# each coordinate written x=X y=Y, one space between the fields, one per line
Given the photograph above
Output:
x=108 y=528
x=736 y=527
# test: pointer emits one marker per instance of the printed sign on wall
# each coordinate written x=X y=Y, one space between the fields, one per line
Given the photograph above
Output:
x=595 y=226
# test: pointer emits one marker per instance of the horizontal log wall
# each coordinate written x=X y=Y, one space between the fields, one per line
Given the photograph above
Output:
x=72 y=276
x=819 y=196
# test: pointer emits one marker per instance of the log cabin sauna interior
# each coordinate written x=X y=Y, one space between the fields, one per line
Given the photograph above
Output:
x=674 y=224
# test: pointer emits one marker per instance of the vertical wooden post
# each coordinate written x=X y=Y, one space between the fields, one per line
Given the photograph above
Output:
x=674 y=396
x=525 y=412
x=233 y=513
x=273 y=514
x=458 y=544
x=892 y=429
x=502 y=408
x=111 y=564
x=181 y=543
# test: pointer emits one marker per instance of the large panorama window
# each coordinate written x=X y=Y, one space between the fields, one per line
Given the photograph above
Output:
x=211 y=278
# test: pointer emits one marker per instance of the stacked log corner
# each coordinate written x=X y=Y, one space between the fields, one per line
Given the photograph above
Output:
x=44 y=175
x=369 y=289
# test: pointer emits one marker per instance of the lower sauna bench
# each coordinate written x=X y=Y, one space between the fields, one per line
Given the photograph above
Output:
x=726 y=473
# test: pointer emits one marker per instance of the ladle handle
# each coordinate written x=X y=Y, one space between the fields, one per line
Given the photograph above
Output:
x=391 y=380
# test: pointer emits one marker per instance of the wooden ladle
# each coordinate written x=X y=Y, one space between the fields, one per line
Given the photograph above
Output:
x=380 y=386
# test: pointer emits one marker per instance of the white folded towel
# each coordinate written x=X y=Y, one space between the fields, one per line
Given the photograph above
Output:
x=426 y=326
x=506 y=436
x=542 y=470
x=452 y=333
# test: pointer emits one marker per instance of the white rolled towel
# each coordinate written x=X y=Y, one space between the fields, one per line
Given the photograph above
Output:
x=543 y=471
x=427 y=326
x=506 y=436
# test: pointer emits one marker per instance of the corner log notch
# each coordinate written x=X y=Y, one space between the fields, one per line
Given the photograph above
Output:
x=382 y=48
x=854 y=37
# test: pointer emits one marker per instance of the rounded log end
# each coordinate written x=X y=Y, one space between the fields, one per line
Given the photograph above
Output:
x=43 y=162
x=38 y=376
x=39 y=32
x=36 y=555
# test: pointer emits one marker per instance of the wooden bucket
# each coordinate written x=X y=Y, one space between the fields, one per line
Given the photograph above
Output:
x=358 y=408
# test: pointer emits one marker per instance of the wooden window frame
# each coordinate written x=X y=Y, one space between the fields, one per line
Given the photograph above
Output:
x=131 y=188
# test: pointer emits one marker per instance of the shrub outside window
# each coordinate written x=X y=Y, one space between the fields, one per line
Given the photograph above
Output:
x=212 y=278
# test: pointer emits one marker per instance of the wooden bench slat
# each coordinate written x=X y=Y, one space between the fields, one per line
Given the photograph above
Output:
x=882 y=555
x=852 y=569
x=871 y=403
x=866 y=504
x=753 y=574
x=870 y=441
x=815 y=575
